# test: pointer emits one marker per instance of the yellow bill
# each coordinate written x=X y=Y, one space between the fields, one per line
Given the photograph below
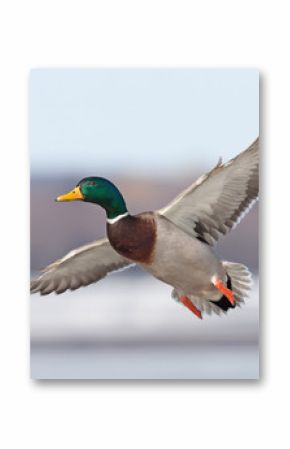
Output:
x=74 y=195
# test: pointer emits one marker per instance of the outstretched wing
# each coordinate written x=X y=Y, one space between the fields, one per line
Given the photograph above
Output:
x=217 y=200
x=79 y=267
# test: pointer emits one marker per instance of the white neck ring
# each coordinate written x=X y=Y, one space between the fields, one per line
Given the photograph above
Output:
x=119 y=217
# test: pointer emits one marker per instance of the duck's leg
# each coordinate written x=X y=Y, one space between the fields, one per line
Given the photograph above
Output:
x=218 y=283
x=187 y=303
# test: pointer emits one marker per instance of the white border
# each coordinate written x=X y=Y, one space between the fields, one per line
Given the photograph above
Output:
x=156 y=33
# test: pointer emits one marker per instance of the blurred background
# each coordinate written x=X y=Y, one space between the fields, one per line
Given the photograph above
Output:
x=152 y=132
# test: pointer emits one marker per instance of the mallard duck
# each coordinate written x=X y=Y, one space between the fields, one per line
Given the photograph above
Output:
x=174 y=244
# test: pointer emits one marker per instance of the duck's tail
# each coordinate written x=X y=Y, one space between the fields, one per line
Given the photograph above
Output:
x=241 y=279
x=239 y=282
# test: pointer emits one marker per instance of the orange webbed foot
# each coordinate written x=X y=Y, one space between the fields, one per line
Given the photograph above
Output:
x=187 y=303
x=224 y=290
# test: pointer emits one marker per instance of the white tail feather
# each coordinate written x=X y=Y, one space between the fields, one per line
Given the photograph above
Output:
x=241 y=279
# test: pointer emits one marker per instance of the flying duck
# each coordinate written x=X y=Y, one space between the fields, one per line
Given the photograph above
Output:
x=174 y=244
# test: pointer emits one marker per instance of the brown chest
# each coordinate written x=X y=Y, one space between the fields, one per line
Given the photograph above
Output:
x=134 y=237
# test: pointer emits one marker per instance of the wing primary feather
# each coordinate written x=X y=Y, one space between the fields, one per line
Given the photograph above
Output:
x=218 y=200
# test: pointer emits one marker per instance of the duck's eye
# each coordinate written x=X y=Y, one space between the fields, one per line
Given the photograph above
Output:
x=92 y=183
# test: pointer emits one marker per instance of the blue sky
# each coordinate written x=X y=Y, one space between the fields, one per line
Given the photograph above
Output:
x=139 y=121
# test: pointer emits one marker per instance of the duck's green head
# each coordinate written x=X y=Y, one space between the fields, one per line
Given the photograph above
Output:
x=100 y=191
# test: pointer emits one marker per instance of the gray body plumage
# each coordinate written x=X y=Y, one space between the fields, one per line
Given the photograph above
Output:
x=183 y=262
